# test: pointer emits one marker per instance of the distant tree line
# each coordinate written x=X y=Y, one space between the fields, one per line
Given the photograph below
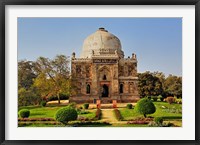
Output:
x=156 y=83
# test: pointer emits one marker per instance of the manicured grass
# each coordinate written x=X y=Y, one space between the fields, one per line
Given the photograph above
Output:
x=49 y=111
x=42 y=112
x=163 y=109
x=166 y=113
x=171 y=113
x=90 y=115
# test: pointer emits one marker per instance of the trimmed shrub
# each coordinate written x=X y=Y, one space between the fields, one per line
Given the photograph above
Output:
x=129 y=106
x=36 y=119
x=24 y=113
x=158 y=120
x=118 y=114
x=86 y=105
x=170 y=100
x=43 y=103
x=98 y=114
x=145 y=106
x=66 y=114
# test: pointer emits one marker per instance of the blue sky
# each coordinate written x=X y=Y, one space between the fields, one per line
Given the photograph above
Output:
x=157 y=42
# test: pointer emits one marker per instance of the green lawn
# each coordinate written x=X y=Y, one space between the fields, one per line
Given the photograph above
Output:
x=42 y=112
x=90 y=115
x=171 y=113
x=163 y=109
x=49 y=112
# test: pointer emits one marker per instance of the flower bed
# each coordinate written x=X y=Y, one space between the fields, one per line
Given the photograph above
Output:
x=140 y=121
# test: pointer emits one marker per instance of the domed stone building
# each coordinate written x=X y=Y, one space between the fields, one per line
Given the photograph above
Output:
x=102 y=72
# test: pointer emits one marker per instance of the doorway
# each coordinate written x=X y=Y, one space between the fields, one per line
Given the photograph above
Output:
x=105 y=91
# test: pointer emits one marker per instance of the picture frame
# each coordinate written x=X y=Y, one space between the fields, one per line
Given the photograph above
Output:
x=3 y=74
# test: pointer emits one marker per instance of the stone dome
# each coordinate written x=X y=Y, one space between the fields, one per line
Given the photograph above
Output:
x=100 y=41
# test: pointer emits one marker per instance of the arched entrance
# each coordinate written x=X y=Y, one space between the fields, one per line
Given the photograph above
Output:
x=105 y=91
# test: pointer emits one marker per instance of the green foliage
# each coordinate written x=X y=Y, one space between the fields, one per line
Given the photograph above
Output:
x=66 y=114
x=86 y=105
x=73 y=105
x=145 y=106
x=27 y=97
x=158 y=120
x=43 y=103
x=129 y=106
x=173 y=86
x=149 y=85
x=62 y=97
x=26 y=74
x=53 y=78
x=24 y=113
x=82 y=111
x=170 y=100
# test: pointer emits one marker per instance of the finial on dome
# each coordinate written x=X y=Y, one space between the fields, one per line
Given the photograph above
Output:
x=102 y=29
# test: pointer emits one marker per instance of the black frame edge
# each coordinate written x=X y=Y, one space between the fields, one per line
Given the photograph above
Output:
x=2 y=73
x=197 y=60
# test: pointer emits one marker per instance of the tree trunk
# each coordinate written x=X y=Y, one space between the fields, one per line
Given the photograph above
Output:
x=58 y=95
x=145 y=116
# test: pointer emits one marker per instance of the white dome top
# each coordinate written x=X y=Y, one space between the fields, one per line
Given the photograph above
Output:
x=100 y=40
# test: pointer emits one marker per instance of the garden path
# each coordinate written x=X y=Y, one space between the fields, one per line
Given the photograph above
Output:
x=108 y=116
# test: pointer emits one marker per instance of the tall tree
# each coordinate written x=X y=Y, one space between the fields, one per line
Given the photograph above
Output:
x=173 y=86
x=54 y=76
x=149 y=85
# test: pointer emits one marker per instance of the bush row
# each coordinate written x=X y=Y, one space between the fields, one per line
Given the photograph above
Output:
x=36 y=119
x=77 y=123
x=21 y=124
x=140 y=120
x=54 y=98
x=117 y=114
x=98 y=114
x=137 y=122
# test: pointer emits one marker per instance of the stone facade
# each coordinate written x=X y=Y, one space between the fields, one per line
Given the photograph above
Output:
x=102 y=72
